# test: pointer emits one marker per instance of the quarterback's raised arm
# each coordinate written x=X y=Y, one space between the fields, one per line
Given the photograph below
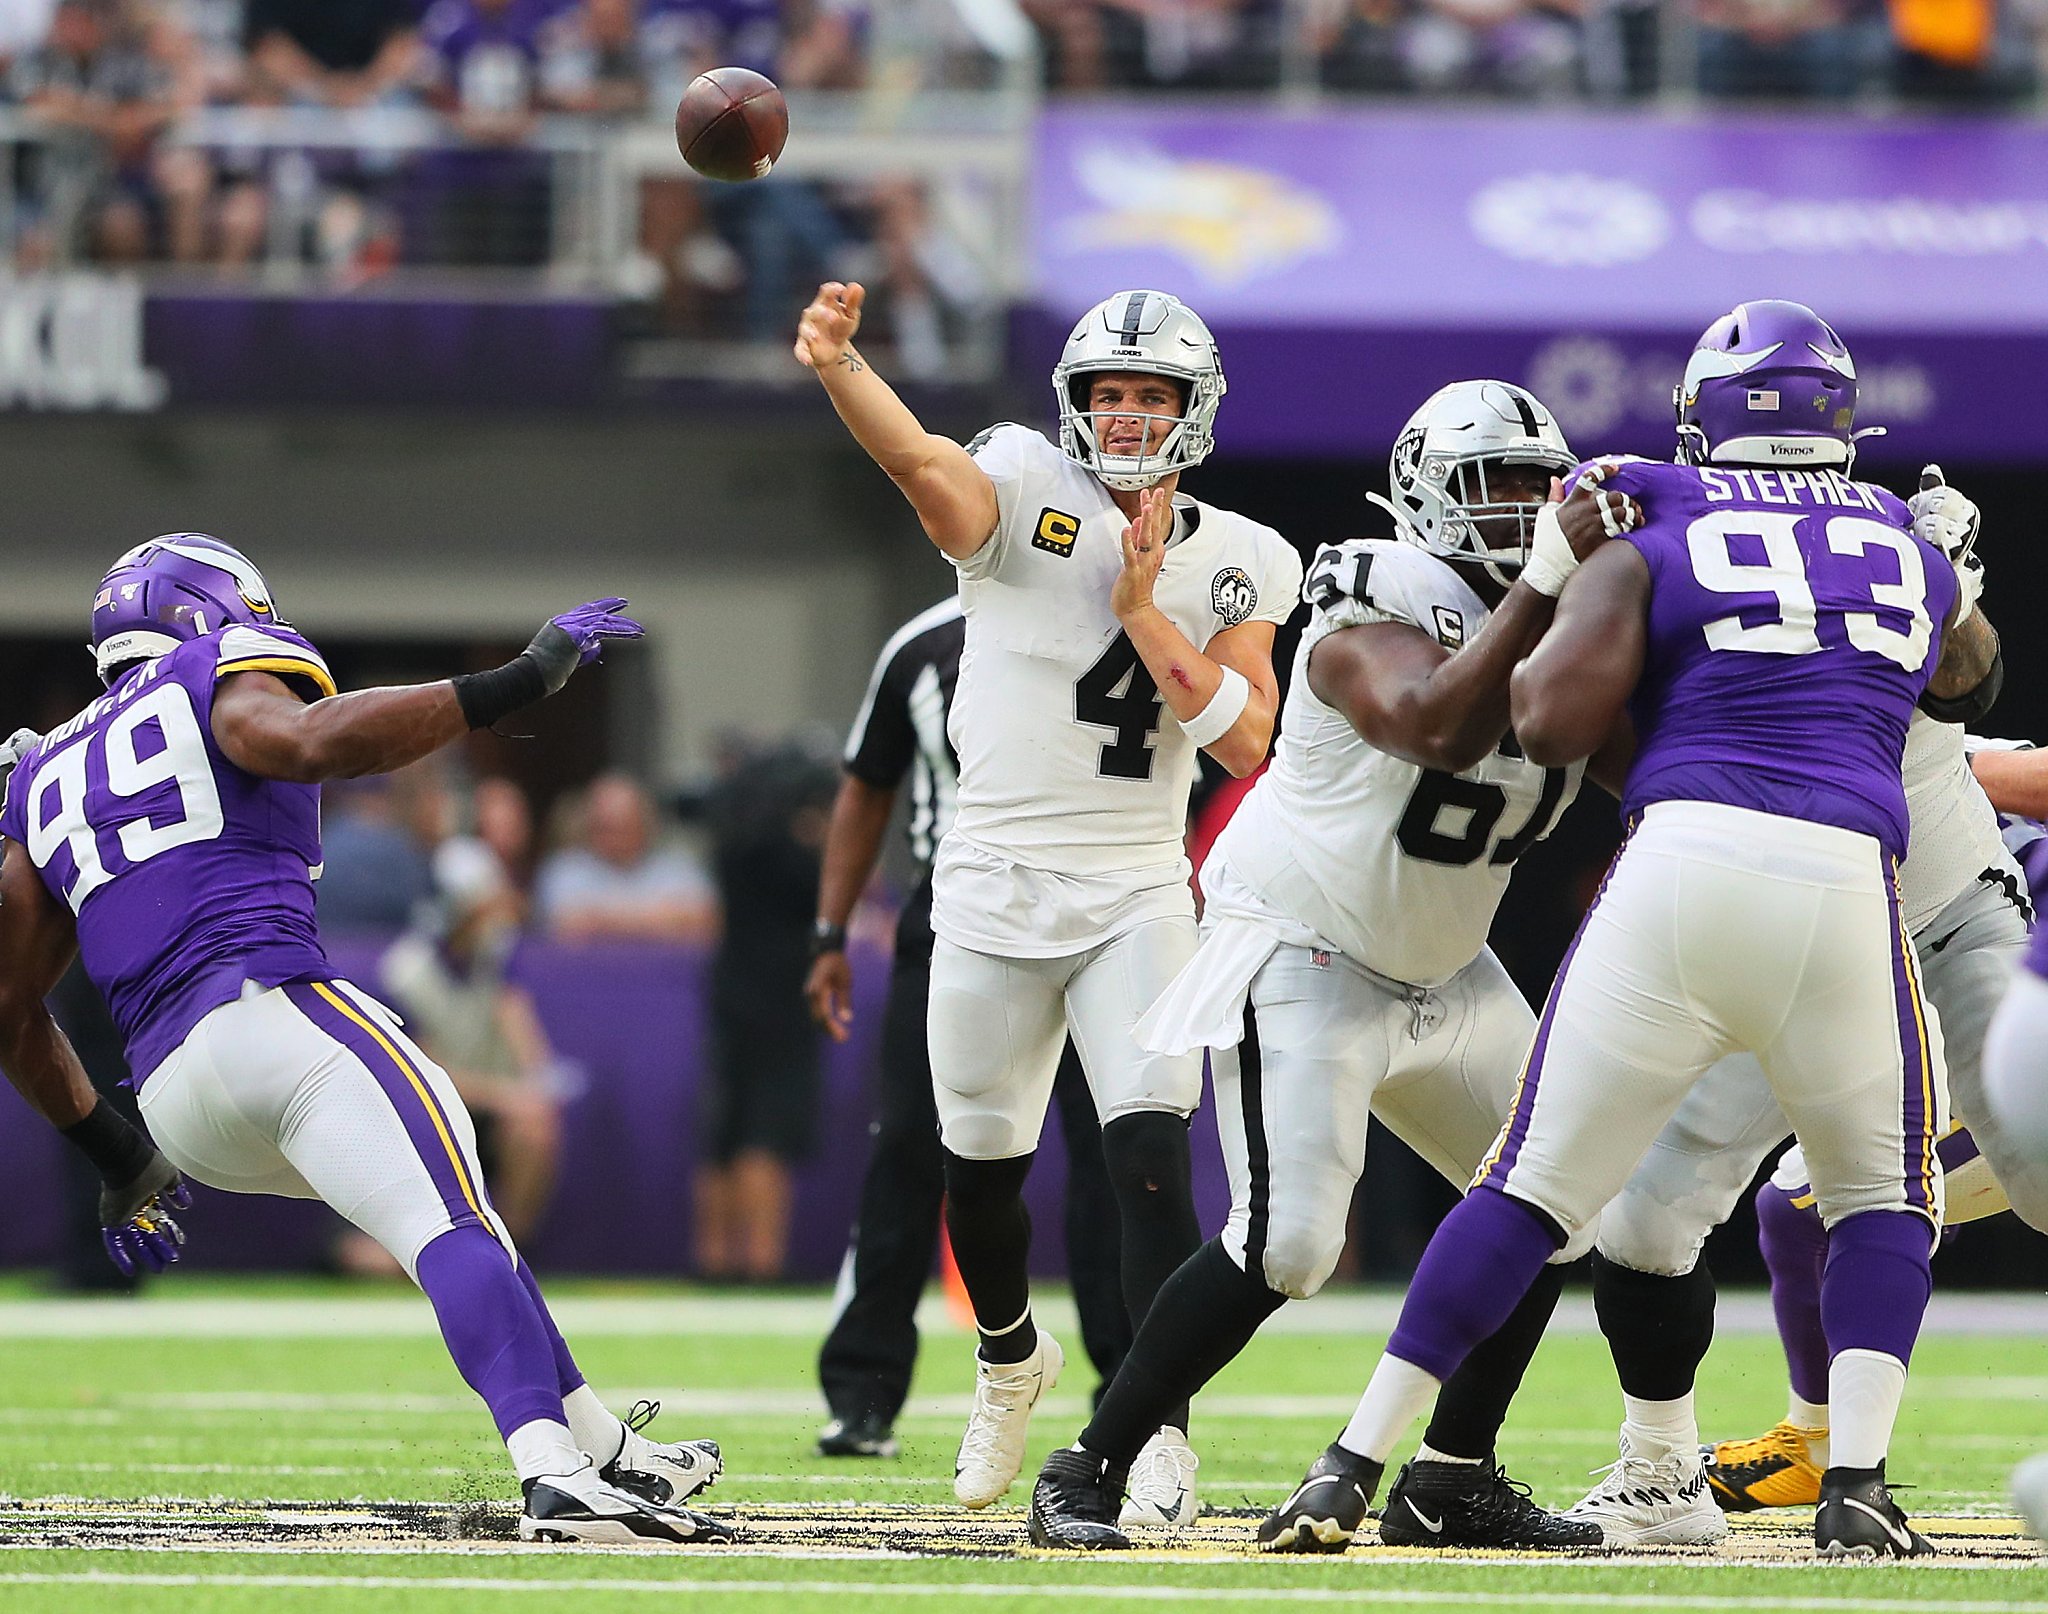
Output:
x=265 y=729
x=952 y=496
x=1567 y=696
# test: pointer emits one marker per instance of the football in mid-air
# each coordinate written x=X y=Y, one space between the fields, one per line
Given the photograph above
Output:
x=732 y=123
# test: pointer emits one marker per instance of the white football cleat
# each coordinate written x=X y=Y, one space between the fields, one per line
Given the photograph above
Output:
x=667 y=1472
x=992 y=1449
x=580 y=1507
x=1645 y=1500
x=1161 y=1492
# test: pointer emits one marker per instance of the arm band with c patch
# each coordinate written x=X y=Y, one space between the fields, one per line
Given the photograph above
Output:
x=1225 y=707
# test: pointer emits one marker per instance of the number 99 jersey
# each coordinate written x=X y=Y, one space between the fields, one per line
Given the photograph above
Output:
x=1074 y=776
x=188 y=876
x=1398 y=867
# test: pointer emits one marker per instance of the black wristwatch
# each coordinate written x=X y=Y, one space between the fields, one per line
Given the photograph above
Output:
x=827 y=937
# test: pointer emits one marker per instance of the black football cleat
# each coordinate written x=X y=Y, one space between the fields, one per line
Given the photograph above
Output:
x=1859 y=1519
x=1075 y=1502
x=865 y=1434
x=1475 y=1505
x=1327 y=1508
x=580 y=1507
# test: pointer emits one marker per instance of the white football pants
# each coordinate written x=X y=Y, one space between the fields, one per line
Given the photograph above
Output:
x=1329 y=1044
x=997 y=1026
x=1721 y=930
x=1729 y=1124
x=312 y=1091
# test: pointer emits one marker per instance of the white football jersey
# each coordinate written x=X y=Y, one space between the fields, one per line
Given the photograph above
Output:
x=1953 y=830
x=1397 y=867
x=1074 y=775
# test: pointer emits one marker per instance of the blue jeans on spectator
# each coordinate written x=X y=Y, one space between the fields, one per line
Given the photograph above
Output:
x=775 y=227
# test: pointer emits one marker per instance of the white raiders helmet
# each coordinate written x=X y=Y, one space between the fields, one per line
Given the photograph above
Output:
x=1438 y=471
x=1147 y=333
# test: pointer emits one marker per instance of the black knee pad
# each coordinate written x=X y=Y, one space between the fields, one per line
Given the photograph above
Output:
x=972 y=1184
x=1658 y=1327
x=1147 y=1153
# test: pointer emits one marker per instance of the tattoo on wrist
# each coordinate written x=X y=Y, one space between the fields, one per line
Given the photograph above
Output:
x=852 y=362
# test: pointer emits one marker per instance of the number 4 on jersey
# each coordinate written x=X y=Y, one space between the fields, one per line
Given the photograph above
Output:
x=1118 y=693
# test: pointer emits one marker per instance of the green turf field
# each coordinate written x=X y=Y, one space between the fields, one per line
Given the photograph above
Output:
x=137 y=1442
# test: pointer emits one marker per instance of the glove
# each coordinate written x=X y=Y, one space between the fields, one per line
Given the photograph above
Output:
x=16 y=745
x=1551 y=561
x=576 y=639
x=134 y=1223
x=1969 y=583
x=1943 y=516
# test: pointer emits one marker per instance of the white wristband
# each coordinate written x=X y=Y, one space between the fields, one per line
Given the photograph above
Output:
x=1225 y=707
x=1551 y=561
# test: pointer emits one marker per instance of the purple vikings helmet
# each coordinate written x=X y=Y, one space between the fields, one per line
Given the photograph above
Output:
x=1769 y=384
x=181 y=586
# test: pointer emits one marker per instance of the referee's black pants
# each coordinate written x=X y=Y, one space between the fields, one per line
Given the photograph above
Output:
x=866 y=1361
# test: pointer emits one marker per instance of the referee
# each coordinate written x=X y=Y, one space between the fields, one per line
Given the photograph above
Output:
x=865 y=1363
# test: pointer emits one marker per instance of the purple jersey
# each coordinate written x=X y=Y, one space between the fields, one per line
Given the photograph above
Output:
x=188 y=876
x=489 y=55
x=1794 y=621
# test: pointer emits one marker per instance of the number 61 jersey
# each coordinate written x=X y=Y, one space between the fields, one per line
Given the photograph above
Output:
x=1398 y=867
x=188 y=876
x=1074 y=776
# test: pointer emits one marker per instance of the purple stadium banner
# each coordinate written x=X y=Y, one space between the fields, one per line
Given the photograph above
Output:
x=1352 y=261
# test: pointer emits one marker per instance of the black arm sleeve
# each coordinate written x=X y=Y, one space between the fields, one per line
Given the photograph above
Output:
x=1970 y=707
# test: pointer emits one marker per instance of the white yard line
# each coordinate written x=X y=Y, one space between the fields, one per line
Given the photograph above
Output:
x=1066 y=1587
x=402 y=1315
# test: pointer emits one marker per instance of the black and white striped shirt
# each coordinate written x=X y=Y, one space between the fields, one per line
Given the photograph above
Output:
x=902 y=723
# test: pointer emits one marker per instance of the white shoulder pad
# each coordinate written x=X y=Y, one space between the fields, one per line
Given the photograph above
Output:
x=1385 y=580
x=245 y=649
x=1007 y=450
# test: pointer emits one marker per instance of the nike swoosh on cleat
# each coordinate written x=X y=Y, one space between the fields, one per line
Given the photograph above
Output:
x=1434 y=1526
x=1901 y=1538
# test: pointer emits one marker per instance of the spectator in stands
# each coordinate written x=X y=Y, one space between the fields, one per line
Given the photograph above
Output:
x=24 y=24
x=377 y=839
x=619 y=882
x=1776 y=49
x=109 y=78
x=345 y=55
x=504 y=823
x=1359 y=45
x=482 y=72
x=1502 y=47
x=593 y=60
x=1961 y=52
x=449 y=975
x=767 y=819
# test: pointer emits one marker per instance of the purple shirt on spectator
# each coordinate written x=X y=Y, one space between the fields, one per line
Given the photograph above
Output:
x=486 y=53
x=687 y=36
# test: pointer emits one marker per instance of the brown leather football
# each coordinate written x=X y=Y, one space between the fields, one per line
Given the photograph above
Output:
x=732 y=123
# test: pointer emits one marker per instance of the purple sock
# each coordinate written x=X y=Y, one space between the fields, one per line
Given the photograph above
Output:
x=1477 y=1268
x=567 y=1374
x=492 y=1329
x=1875 y=1289
x=1795 y=1246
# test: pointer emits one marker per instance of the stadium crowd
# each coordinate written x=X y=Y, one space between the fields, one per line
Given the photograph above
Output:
x=103 y=85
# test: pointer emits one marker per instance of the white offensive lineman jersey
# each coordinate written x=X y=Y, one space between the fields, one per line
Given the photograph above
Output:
x=1954 y=837
x=1074 y=776
x=1397 y=867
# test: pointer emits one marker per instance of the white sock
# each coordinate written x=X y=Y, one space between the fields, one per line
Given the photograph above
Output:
x=1868 y=1386
x=543 y=1447
x=595 y=1427
x=1398 y=1394
x=1426 y=1453
x=1658 y=1428
x=1806 y=1414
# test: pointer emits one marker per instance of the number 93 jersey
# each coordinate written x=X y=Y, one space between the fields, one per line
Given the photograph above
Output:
x=187 y=875
x=1074 y=776
x=1398 y=867
x=1794 y=621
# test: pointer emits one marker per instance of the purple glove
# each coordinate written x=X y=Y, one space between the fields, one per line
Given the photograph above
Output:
x=135 y=1225
x=590 y=625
